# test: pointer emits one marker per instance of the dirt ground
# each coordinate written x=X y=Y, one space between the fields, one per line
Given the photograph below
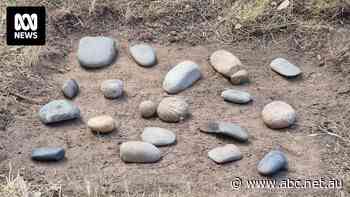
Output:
x=316 y=146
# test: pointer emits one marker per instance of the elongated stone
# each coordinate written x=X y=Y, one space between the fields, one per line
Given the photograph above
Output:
x=57 y=111
x=285 y=68
x=139 y=152
x=48 y=154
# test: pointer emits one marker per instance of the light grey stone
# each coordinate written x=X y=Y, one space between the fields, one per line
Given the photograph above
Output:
x=236 y=96
x=158 y=136
x=57 y=111
x=139 y=152
x=182 y=76
x=70 y=88
x=224 y=128
x=285 y=68
x=96 y=52
x=112 y=88
x=224 y=154
x=272 y=163
x=143 y=54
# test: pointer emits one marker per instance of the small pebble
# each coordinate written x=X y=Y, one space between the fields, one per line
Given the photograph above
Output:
x=112 y=88
x=48 y=154
x=173 y=109
x=148 y=109
x=225 y=154
x=236 y=96
x=158 y=136
x=139 y=152
x=278 y=115
x=143 y=54
x=70 y=88
x=272 y=163
x=240 y=77
x=101 y=124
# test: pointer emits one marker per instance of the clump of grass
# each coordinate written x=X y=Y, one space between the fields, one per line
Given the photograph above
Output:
x=14 y=186
x=249 y=11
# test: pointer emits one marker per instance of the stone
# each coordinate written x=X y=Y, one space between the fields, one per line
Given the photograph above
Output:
x=240 y=77
x=139 y=152
x=278 y=115
x=101 y=124
x=272 y=163
x=148 y=109
x=96 y=52
x=236 y=96
x=48 y=154
x=225 y=128
x=173 y=109
x=57 y=111
x=158 y=136
x=112 y=88
x=143 y=54
x=283 y=5
x=225 y=62
x=224 y=154
x=285 y=68
x=70 y=88
x=182 y=76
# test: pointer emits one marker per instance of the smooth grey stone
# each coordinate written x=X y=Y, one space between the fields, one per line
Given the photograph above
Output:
x=139 y=152
x=236 y=96
x=158 y=136
x=224 y=128
x=70 y=88
x=272 y=163
x=182 y=76
x=48 y=154
x=285 y=68
x=112 y=88
x=96 y=52
x=143 y=54
x=224 y=154
x=58 y=110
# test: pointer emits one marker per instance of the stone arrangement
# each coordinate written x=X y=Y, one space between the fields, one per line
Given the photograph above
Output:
x=97 y=52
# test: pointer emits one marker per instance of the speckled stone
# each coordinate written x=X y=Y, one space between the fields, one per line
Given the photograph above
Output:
x=57 y=111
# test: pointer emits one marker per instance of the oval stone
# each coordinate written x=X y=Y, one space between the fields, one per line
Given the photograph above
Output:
x=225 y=128
x=158 y=136
x=57 y=111
x=139 y=152
x=272 y=163
x=173 y=109
x=182 y=76
x=225 y=154
x=278 y=115
x=101 y=124
x=112 y=88
x=236 y=96
x=148 y=109
x=285 y=68
x=96 y=52
x=70 y=88
x=143 y=54
x=225 y=62
x=48 y=154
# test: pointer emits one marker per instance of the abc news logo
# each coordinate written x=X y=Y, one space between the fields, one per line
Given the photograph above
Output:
x=26 y=25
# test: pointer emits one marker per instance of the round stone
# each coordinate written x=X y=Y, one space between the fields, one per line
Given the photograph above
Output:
x=158 y=136
x=236 y=96
x=225 y=62
x=143 y=54
x=70 y=88
x=57 y=111
x=139 y=152
x=240 y=77
x=272 y=163
x=96 y=52
x=285 y=68
x=225 y=154
x=278 y=115
x=112 y=88
x=48 y=154
x=173 y=109
x=148 y=109
x=101 y=124
x=182 y=76
x=225 y=128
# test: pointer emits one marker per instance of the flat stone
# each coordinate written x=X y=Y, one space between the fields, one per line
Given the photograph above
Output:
x=225 y=62
x=48 y=154
x=173 y=109
x=224 y=128
x=57 y=111
x=148 y=109
x=272 y=163
x=70 y=88
x=143 y=54
x=236 y=96
x=101 y=124
x=112 y=88
x=139 y=152
x=278 y=115
x=225 y=154
x=182 y=76
x=96 y=52
x=158 y=136
x=285 y=68
x=240 y=77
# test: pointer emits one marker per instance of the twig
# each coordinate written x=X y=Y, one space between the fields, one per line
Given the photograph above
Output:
x=29 y=100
